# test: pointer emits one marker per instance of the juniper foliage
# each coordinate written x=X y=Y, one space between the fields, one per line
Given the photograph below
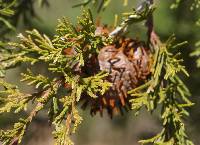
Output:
x=163 y=88
x=196 y=52
x=101 y=4
x=63 y=109
x=11 y=12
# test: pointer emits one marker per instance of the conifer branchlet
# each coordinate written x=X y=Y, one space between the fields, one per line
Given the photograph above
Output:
x=76 y=58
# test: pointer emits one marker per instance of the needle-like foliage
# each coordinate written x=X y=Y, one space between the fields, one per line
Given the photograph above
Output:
x=12 y=10
x=65 y=57
x=165 y=88
x=35 y=48
x=101 y=4
x=196 y=52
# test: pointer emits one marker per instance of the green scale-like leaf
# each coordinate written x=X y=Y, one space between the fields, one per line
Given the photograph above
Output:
x=165 y=88
x=34 y=48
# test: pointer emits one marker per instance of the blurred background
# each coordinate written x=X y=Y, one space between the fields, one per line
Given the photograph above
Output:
x=127 y=129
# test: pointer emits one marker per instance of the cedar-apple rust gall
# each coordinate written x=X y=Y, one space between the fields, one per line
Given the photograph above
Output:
x=128 y=63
